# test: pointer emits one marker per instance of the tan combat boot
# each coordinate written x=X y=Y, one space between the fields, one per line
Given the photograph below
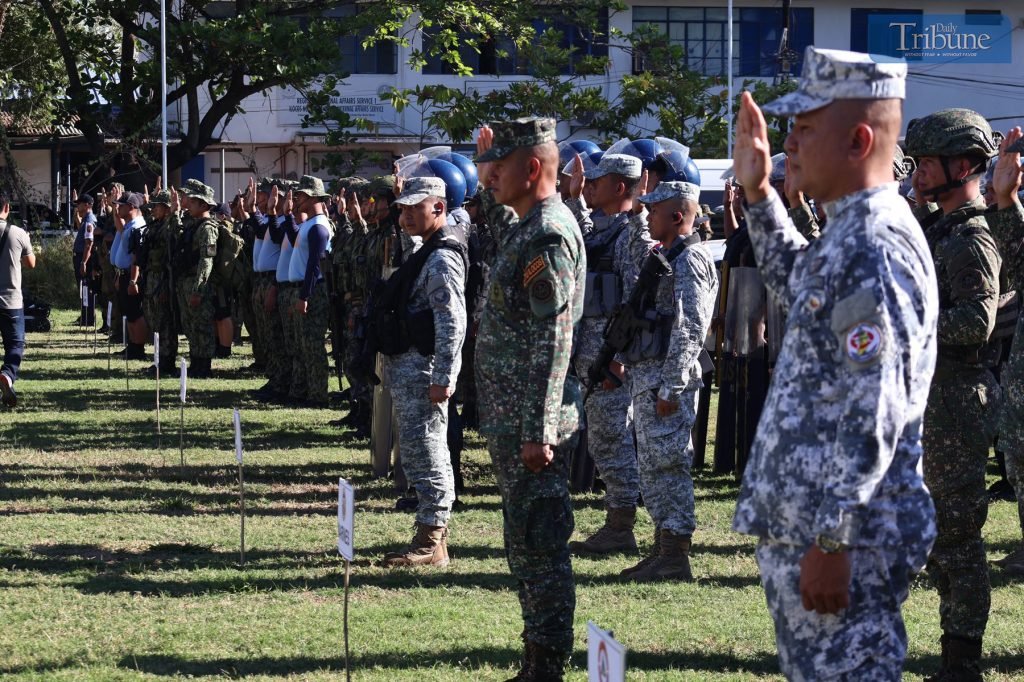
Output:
x=429 y=547
x=651 y=556
x=672 y=562
x=616 y=535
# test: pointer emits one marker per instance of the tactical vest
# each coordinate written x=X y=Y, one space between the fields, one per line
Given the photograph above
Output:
x=398 y=330
x=603 y=291
x=652 y=342
x=187 y=257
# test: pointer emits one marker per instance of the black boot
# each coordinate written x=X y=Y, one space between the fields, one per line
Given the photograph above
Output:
x=961 y=660
x=222 y=351
x=526 y=665
x=136 y=351
x=548 y=665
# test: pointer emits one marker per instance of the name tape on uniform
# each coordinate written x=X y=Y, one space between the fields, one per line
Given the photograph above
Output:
x=606 y=658
x=238 y=435
x=346 y=515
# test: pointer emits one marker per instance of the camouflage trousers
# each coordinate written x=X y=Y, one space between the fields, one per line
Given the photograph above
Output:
x=959 y=425
x=665 y=453
x=156 y=308
x=197 y=323
x=291 y=351
x=268 y=327
x=538 y=522
x=361 y=391
x=611 y=445
x=247 y=308
x=865 y=642
x=422 y=437
x=1011 y=420
x=312 y=328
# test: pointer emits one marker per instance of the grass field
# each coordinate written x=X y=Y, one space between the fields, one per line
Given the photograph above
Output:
x=116 y=563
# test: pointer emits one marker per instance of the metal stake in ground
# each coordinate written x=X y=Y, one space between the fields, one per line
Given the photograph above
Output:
x=110 y=312
x=181 y=424
x=156 y=361
x=346 y=516
x=83 y=293
x=124 y=333
x=241 y=481
x=95 y=331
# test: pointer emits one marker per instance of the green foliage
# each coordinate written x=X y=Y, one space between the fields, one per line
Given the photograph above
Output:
x=53 y=279
x=688 y=106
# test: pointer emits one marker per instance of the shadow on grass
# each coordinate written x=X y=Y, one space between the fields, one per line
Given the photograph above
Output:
x=459 y=659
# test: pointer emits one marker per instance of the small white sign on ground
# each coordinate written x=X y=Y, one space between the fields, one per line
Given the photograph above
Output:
x=346 y=514
x=606 y=658
x=238 y=435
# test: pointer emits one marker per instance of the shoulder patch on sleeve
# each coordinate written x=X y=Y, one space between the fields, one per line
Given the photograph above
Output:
x=534 y=268
x=863 y=342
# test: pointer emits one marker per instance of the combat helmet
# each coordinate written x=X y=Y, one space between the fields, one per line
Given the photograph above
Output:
x=948 y=133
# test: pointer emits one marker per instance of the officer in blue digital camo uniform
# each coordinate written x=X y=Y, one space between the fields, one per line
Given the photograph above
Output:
x=529 y=402
x=664 y=371
x=952 y=148
x=610 y=274
x=423 y=375
x=833 y=487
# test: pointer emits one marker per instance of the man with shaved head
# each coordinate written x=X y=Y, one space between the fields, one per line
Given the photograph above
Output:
x=833 y=487
x=529 y=403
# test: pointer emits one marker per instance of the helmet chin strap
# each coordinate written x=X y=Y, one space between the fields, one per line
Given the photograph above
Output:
x=933 y=193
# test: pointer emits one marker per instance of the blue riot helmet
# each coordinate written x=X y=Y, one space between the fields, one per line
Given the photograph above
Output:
x=589 y=161
x=584 y=146
x=691 y=173
x=645 y=150
x=454 y=181
x=568 y=150
x=468 y=169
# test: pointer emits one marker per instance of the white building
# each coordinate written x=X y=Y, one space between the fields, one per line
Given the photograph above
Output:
x=268 y=139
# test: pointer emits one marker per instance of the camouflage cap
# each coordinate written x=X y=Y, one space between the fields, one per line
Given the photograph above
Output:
x=829 y=75
x=672 y=189
x=161 y=197
x=312 y=186
x=522 y=132
x=619 y=164
x=415 y=190
x=197 y=190
x=265 y=184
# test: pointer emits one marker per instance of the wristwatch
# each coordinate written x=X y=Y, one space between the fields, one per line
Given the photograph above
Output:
x=829 y=545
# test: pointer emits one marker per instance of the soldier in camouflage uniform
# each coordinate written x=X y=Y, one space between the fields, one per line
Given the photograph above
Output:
x=951 y=148
x=197 y=246
x=1007 y=227
x=665 y=373
x=529 y=404
x=423 y=376
x=610 y=273
x=159 y=295
x=310 y=313
x=833 y=487
x=353 y=272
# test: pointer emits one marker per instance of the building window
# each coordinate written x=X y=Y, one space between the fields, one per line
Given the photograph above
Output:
x=869 y=31
x=983 y=17
x=498 y=56
x=702 y=33
x=380 y=58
